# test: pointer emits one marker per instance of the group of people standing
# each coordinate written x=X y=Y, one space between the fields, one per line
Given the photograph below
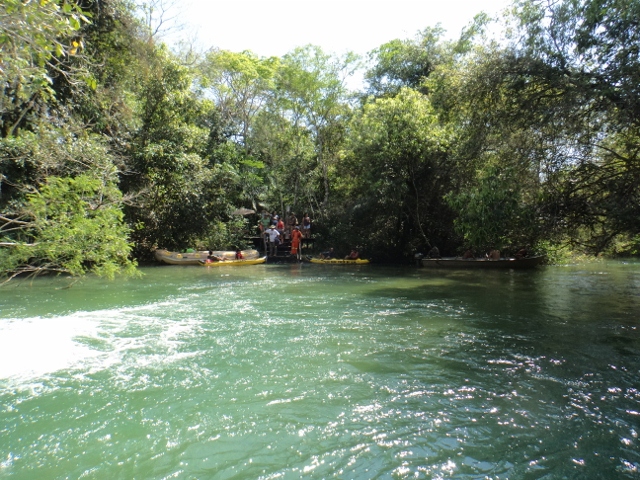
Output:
x=274 y=231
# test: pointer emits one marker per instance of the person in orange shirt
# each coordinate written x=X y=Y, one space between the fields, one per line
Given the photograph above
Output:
x=296 y=246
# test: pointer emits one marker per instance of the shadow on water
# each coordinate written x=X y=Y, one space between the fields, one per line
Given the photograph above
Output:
x=549 y=294
x=593 y=309
x=560 y=345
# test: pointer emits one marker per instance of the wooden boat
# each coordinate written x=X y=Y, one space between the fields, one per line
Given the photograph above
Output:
x=459 y=262
x=196 y=258
x=234 y=262
x=338 y=261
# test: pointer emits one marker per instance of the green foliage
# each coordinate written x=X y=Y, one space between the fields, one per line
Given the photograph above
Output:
x=398 y=173
x=289 y=158
x=311 y=91
x=34 y=37
x=562 y=253
x=495 y=211
x=405 y=63
x=114 y=60
x=27 y=160
x=240 y=84
x=73 y=226
x=535 y=142
x=599 y=200
x=625 y=246
x=176 y=191
x=562 y=104
x=227 y=235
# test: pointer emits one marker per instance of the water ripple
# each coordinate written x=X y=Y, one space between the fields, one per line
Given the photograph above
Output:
x=289 y=373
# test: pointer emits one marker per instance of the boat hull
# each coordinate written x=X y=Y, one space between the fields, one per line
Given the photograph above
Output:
x=482 y=263
x=337 y=261
x=235 y=263
x=196 y=258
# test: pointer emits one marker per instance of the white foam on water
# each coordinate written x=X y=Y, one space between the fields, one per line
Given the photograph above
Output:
x=32 y=348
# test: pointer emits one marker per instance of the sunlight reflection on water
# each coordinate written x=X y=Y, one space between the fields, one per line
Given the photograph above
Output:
x=282 y=373
x=30 y=348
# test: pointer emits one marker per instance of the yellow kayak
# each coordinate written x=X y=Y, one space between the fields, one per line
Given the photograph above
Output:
x=337 y=261
x=196 y=258
x=234 y=263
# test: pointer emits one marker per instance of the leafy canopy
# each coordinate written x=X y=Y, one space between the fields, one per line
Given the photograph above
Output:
x=74 y=226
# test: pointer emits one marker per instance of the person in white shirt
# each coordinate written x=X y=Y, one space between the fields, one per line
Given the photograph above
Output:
x=274 y=239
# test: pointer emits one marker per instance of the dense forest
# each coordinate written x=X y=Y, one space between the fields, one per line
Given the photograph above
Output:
x=113 y=144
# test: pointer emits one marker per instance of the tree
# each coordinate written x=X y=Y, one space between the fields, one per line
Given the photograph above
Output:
x=312 y=93
x=179 y=178
x=591 y=50
x=288 y=153
x=159 y=17
x=34 y=36
x=116 y=58
x=398 y=174
x=167 y=172
x=405 y=63
x=71 y=226
x=240 y=84
x=27 y=160
x=498 y=210
x=561 y=104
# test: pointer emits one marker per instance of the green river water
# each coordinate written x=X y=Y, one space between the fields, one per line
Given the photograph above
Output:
x=312 y=371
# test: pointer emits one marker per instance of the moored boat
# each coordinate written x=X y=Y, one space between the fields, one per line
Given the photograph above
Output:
x=458 y=262
x=196 y=258
x=338 y=261
x=234 y=262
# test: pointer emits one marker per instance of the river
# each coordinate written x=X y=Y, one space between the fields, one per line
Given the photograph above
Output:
x=312 y=371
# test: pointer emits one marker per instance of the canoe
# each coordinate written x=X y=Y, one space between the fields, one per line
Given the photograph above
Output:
x=196 y=258
x=337 y=261
x=234 y=263
x=458 y=262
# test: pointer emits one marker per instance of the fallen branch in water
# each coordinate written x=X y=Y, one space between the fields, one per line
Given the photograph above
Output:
x=32 y=272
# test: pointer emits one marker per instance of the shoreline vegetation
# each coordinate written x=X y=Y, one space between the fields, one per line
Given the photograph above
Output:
x=113 y=144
